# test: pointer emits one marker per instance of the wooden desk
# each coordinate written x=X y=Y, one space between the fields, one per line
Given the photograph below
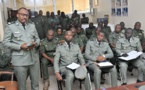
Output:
x=134 y=86
x=10 y=85
x=127 y=87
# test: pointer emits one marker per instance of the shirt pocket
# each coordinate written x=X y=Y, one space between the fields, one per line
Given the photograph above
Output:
x=18 y=36
x=17 y=53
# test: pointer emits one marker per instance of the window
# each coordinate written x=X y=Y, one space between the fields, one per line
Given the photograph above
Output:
x=82 y=6
x=68 y=6
x=64 y=5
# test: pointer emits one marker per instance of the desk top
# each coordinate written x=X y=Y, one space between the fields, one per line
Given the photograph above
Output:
x=134 y=86
x=10 y=85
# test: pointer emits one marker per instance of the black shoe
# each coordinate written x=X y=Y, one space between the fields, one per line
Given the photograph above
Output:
x=124 y=84
x=138 y=81
x=102 y=81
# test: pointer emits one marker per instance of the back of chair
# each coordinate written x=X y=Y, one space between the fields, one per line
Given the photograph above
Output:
x=2 y=88
x=8 y=72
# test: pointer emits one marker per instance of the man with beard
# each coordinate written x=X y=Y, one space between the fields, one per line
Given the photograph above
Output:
x=66 y=54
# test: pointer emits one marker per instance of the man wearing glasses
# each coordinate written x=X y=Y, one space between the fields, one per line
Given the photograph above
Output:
x=22 y=38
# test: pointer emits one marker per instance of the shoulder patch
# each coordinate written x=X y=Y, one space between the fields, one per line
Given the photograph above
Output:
x=9 y=23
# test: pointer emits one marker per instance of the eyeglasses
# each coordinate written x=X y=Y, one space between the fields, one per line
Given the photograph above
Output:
x=22 y=14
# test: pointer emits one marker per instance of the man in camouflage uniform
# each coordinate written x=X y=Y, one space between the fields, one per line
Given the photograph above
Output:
x=84 y=20
x=107 y=30
x=38 y=21
x=114 y=36
x=82 y=37
x=137 y=32
x=90 y=30
x=53 y=22
x=47 y=49
x=64 y=20
x=59 y=34
x=76 y=39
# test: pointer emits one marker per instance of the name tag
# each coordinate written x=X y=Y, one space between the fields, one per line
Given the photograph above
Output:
x=17 y=32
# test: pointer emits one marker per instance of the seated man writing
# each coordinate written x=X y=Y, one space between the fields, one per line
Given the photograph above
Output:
x=124 y=46
x=98 y=51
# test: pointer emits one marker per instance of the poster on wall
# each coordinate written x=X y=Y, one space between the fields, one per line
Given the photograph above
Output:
x=119 y=7
x=125 y=11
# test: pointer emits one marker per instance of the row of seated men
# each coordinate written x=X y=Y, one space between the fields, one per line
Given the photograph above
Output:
x=96 y=48
x=52 y=21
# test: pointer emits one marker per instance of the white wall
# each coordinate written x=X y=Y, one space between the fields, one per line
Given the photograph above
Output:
x=3 y=15
x=136 y=12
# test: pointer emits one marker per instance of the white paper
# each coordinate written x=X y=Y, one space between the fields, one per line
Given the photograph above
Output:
x=131 y=55
x=103 y=64
x=73 y=66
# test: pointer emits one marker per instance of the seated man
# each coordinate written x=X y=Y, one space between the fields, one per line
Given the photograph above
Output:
x=66 y=54
x=47 y=49
x=5 y=65
x=124 y=46
x=90 y=30
x=97 y=51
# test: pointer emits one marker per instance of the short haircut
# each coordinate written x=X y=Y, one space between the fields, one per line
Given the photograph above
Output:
x=23 y=8
x=59 y=28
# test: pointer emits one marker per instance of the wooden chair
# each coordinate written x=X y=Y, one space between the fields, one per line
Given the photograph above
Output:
x=8 y=85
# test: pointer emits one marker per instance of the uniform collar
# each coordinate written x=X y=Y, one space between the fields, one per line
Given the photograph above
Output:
x=19 y=23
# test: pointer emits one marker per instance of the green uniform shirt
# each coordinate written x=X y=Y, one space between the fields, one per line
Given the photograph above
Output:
x=77 y=40
x=48 y=47
x=139 y=33
x=107 y=31
x=90 y=31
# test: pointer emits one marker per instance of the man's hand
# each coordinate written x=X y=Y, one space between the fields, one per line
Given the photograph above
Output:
x=61 y=41
x=101 y=58
x=112 y=45
x=32 y=46
x=51 y=60
x=58 y=76
x=125 y=55
x=24 y=46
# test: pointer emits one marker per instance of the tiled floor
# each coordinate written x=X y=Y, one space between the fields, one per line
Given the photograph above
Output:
x=53 y=84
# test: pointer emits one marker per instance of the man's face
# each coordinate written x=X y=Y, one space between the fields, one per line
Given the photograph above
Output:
x=118 y=28
x=50 y=35
x=105 y=23
x=122 y=24
x=52 y=14
x=40 y=12
x=98 y=30
x=137 y=26
x=59 y=31
x=91 y=25
x=73 y=30
x=35 y=14
x=23 y=15
x=68 y=36
x=100 y=37
x=128 y=33
x=79 y=30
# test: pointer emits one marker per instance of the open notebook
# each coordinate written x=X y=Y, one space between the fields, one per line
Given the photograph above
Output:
x=131 y=55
